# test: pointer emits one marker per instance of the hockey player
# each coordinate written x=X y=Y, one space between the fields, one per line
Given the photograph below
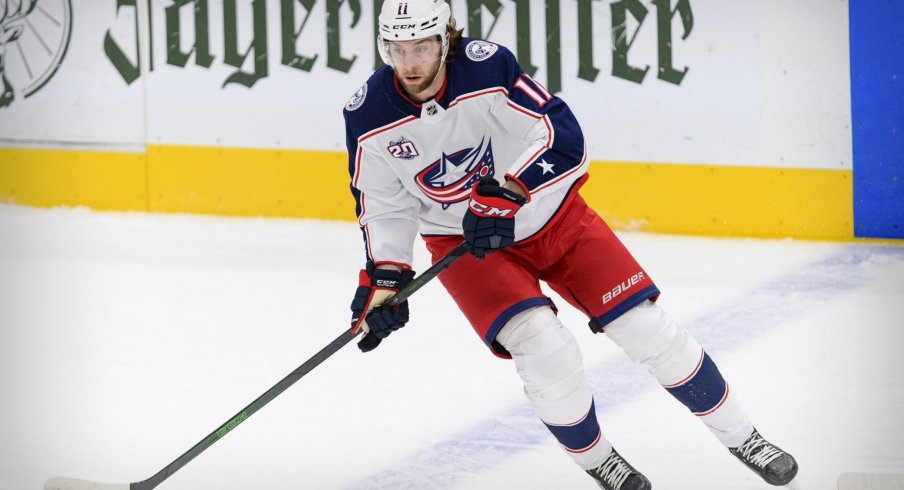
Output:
x=452 y=138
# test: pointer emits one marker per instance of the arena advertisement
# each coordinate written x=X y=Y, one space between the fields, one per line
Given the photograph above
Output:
x=685 y=83
x=662 y=81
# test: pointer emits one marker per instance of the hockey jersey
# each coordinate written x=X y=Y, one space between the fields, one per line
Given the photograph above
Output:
x=412 y=165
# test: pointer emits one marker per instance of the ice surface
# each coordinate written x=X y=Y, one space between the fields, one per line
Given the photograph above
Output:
x=871 y=481
x=75 y=484
x=128 y=337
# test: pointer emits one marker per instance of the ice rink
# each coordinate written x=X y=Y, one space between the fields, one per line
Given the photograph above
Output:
x=127 y=338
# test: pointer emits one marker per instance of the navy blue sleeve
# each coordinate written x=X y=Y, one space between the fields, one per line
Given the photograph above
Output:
x=561 y=156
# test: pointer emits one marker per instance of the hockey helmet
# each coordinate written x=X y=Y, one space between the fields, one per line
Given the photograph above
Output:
x=409 y=20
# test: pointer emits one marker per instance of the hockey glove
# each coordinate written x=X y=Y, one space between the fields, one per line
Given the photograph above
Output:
x=375 y=286
x=489 y=223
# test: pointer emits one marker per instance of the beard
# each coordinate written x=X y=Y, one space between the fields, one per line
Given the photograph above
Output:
x=427 y=75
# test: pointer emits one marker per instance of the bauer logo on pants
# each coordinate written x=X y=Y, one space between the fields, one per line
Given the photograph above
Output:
x=624 y=286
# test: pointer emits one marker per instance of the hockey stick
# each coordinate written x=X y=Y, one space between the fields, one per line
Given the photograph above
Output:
x=334 y=346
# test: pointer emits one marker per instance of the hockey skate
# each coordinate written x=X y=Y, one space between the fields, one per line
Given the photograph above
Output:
x=767 y=460
x=616 y=474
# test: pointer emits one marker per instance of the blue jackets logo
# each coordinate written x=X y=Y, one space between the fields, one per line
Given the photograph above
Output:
x=357 y=99
x=480 y=50
x=449 y=179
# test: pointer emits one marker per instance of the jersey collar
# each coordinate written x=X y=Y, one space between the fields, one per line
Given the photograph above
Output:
x=416 y=106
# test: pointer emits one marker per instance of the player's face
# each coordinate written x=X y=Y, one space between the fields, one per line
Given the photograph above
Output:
x=416 y=62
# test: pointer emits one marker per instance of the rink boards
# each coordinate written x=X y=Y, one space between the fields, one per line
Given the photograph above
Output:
x=687 y=199
x=700 y=118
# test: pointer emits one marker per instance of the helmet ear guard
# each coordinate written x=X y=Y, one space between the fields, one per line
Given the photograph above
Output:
x=409 y=20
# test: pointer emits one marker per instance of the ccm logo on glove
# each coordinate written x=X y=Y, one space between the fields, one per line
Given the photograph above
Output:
x=489 y=223
x=387 y=283
x=482 y=209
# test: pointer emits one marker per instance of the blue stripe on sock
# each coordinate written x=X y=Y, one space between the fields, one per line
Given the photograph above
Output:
x=704 y=390
x=580 y=436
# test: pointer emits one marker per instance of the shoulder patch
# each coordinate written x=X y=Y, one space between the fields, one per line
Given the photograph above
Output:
x=480 y=50
x=357 y=99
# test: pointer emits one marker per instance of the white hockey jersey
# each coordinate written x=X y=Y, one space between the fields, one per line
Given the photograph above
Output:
x=412 y=165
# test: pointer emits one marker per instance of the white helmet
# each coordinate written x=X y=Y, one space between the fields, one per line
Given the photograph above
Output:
x=407 y=20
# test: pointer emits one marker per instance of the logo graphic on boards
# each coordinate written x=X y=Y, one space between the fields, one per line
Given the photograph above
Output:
x=34 y=37
x=449 y=179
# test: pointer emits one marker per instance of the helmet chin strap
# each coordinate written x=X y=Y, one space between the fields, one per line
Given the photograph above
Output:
x=442 y=62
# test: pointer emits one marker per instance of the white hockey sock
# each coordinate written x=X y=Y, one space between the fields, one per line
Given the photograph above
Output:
x=550 y=364
x=649 y=336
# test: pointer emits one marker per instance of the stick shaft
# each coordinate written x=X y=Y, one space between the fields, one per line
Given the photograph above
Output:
x=284 y=384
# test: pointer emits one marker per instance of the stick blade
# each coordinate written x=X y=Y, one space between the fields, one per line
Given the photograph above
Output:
x=75 y=484
x=871 y=481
